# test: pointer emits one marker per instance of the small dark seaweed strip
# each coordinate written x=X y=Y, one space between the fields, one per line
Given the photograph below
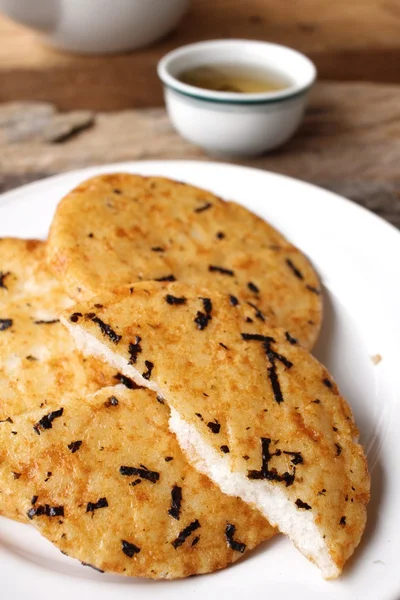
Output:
x=257 y=337
x=207 y=305
x=295 y=270
x=176 y=501
x=166 y=278
x=92 y=506
x=127 y=382
x=150 y=367
x=46 y=422
x=185 y=533
x=201 y=320
x=50 y=322
x=270 y=474
x=253 y=288
x=290 y=339
x=259 y=314
x=272 y=356
x=141 y=471
x=233 y=300
x=300 y=504
x=135 y=349
x=74 y=446
x=2 y=279
x=276 y=388
x=174 y=300
x=129 y=549
x=229 y=533
x=5 y=324
x=48 y=511
x=215 y=269
x=297 y=457
x=105 y=329
x=214 y=426
x=205 y=206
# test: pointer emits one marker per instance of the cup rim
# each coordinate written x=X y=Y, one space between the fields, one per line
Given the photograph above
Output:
x=295 y=90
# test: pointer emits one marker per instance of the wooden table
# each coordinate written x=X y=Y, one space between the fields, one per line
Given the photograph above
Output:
x=349 y=142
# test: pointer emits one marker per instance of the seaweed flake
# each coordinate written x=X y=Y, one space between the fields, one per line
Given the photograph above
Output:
x=46 y=422
x=149 y=367
x=220 y=235
x=233 y=300
x=272 y=355
x=105 y=329
x=342 y=521
x=338 y=449
x=2 y=279
x=97 y=305
x=297 y=457
x=207 y=304
x=30 y=357
x=300 y=504
x=45 y=510
x=270 y=474
x=229 y=533
x=258 y=313
x=16 y=475
x=205 y=206
x=317 y=401
x=129 y=549
x=253 y=288
x=168 y=458
x=44 y=322
x=322 y=492
x=327 y=383
x=214 y=426
x=74 y=446
x=166 y=278
x=173 y=300
x=141 y=471
x=223 y=346
x=225 y=449
x=276 y=387
x=202 y=320
x=157 y=249
x=257 y=337
x=185 y=533
x=290 y=339
x=295 y=270
x=200 y=416
x=160 y=399
x=112 y=401
x=176 y=501
x=84 y=564
x=135 y=349
x=135 y=483
x=5 y=324
x=75 y=317
x=34 y=500
x=127 y=382
x=7 y=420
x=195 y=541
x=92 y=506
x=222 y=270
x=249 y=320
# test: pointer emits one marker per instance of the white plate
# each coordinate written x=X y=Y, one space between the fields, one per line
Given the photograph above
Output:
x=357 y=255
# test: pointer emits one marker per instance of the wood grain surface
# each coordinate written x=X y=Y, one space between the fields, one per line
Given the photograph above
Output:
x=349 y=142
x=357 y=40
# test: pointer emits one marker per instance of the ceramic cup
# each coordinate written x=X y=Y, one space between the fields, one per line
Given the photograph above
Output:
x=98 y=26
x=234 y=124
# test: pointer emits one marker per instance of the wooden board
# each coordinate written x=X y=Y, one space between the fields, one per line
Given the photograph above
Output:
x=345 y=143
x=347 y=40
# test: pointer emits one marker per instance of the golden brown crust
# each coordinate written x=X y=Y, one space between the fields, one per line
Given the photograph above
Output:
x=121 y=522
x=121 y=228
x=38 y=360
x=262 y=393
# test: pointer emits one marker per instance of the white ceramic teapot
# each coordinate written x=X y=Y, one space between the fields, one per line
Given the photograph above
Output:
x=97 y=26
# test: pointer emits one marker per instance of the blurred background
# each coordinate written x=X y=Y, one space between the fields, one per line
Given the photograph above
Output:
x=79 y=110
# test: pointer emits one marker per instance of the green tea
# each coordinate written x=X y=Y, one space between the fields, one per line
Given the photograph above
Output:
x=240 y=79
